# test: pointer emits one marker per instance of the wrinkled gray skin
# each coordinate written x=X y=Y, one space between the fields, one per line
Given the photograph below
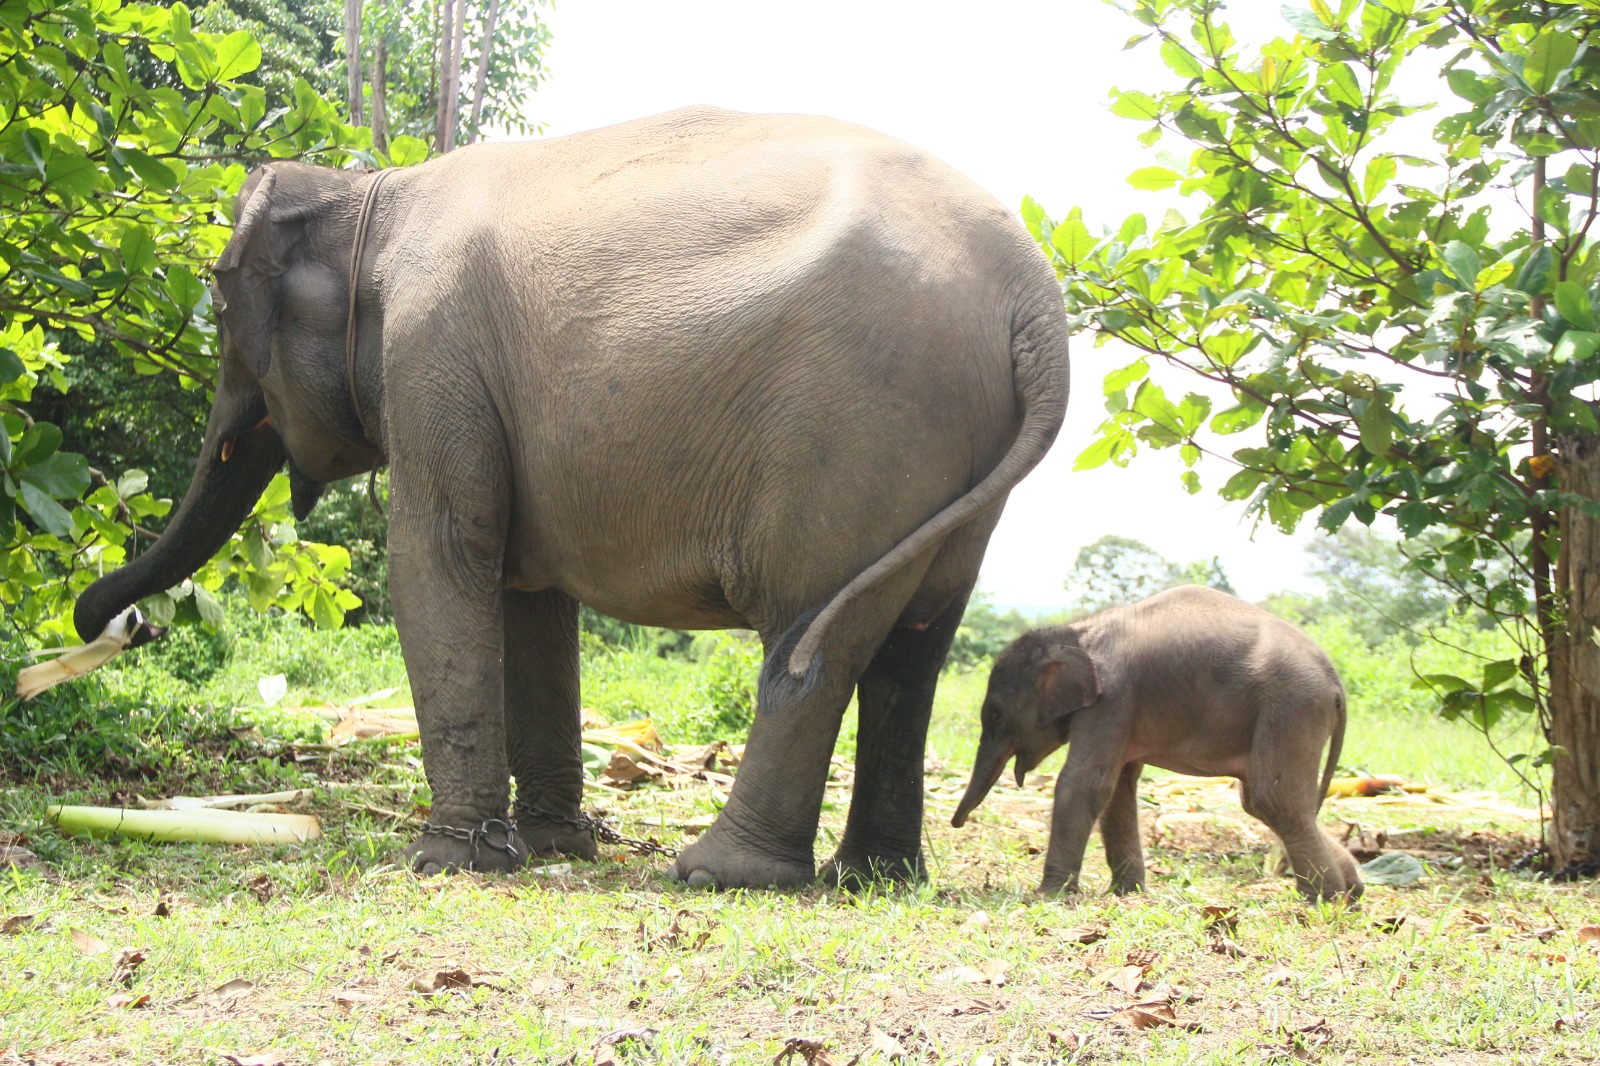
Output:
x=701 y=370
x=1191 y=680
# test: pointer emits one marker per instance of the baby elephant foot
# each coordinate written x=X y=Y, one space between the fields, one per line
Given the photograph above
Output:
x=548 y=837
x=855 y=872
x=710 y=862
x=488 y=847
x=1058 y=886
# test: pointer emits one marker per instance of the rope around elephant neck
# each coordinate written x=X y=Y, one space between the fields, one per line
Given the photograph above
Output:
x=357 y=248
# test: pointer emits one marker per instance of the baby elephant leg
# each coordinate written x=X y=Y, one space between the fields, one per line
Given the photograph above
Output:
x=1323 y=870
x=1083 y=791
x=1119 y=831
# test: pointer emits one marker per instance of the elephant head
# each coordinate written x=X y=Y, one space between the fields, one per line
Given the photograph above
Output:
x=282 y=292
x=1036 y=685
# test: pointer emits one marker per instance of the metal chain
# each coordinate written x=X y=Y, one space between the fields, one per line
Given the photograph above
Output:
x=482 y=836
x=598 y=828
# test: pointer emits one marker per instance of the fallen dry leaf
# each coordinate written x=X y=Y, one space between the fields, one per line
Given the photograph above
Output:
x=1151 y=1016
x=1571 y=1021
x=1224 y=918
x=261 y=886
x=971 y=1006
x=1221 y=945
x=128 y=1001
x=887 y=1046
x=348 y=999
x=1546 y=934
x=233 y=989
x=605 y=1048
x=813 y=1052
x=992 y=972
x=1083 y=934
x=128 y=962
x=443 y=982
x=1125 y=979
x=1278 y=977
x=18 y=923
x=1390 y=925
x=1064 y=1041
x=1587 y=934
x=977 y=921
x=163 y=908
x=19 y=858
x=88 y=945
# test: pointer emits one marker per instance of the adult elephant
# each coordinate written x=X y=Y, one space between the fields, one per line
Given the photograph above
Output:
x=700 y=370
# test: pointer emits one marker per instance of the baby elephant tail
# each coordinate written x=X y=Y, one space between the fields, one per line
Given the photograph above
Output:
x=1335 y=743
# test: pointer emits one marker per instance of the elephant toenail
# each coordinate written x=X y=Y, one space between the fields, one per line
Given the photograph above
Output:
x=702 y=879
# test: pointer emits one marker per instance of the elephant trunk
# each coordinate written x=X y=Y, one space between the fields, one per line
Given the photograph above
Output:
x=990 y=763
x=219 y=498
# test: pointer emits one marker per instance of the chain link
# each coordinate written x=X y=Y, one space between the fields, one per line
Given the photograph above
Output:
x=482 y=836
x=598 y=828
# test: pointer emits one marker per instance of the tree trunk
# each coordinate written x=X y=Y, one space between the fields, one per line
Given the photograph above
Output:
x=453 y=101
x=485 y=54
x=441 y=115
x=379 y=77
x=352 y=58
x=1574 y=699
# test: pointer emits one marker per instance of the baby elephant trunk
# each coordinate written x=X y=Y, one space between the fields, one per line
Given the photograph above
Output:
x=993 y=754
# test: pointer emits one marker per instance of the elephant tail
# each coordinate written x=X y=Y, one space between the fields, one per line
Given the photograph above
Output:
x=1335 y=742
x=1039 y=374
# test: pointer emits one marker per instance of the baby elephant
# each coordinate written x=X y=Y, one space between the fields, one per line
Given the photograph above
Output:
x=1191 y=680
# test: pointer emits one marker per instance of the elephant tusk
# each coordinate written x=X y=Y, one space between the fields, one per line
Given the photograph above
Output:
x=227 y=445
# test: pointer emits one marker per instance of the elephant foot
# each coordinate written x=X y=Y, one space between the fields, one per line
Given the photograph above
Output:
x=487 y=847
x=1057 y=887
x=543 y=837
x=856 y=872
x=711 y=863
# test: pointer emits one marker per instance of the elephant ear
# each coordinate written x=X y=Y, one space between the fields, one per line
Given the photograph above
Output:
x=247 y=274
x=1068 y=682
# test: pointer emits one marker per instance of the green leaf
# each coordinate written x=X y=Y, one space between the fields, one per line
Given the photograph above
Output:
x=1307 y=24
x=1377 y=429
x=1468 y=86
x=1191 y=481
x=1379 y=173
x=1572 y=300
x=1551 y=52
x=405 y=151
x=1462 y=261
x=157 y=174
x=1535 y=272
x=1134 y=104
x=237 y=54
x=1154 y=178
x=1192 y=411
x=64 y=475
x=1179 y=60
x=1152 y=402
x=1498 y=673
x=138 y=250
x=1236 y=419
x=51 y=516
x=324 y=611
x=210 y=610
x=1073 y=240
x=38 y=443
x=11 y=367
x=1098 y=452
x=1118 y=380
x=1575 y=344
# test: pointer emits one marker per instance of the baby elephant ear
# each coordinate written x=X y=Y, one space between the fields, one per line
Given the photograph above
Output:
x=1068 y=682
x=247 y=275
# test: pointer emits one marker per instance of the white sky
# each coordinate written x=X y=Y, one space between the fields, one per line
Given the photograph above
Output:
x=1014 y=94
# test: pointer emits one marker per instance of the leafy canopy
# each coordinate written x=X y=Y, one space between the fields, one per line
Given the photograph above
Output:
x=1401 y=326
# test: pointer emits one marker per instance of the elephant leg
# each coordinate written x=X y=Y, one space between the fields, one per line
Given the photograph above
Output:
x=446 y=547
x=766 y=831
x=1084 y=790
x=542 y=720
x=894 y=700
x=1288 y=804
x=1119 y=831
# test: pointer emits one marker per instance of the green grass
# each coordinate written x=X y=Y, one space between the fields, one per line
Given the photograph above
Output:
x=1486 y=967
